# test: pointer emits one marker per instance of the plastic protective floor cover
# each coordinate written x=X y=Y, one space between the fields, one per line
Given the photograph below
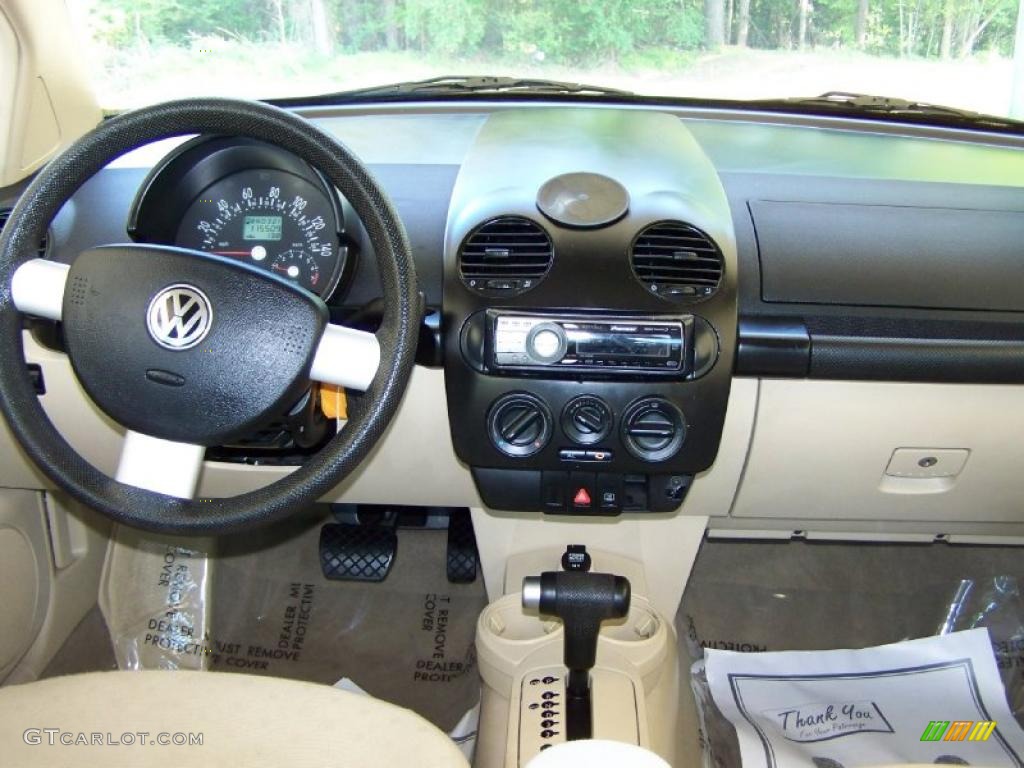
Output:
x=261 y=606
x=788 y=596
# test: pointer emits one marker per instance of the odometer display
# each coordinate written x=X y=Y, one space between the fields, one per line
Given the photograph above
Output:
x=262 y=228
x=271 y=219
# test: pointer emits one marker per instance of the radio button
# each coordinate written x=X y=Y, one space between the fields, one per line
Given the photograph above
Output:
x=546 y=343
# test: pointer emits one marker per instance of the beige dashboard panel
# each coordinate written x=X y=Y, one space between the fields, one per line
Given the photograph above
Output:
x=821 y=451
x=414 y=463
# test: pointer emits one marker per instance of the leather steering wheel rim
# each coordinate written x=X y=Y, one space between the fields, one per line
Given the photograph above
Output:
x=370 y=413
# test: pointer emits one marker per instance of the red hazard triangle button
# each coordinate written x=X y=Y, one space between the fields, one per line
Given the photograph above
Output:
x=581 y=499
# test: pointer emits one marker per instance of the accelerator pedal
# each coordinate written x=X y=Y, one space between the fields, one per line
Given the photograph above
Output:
x=353 y=552
x=462 y=554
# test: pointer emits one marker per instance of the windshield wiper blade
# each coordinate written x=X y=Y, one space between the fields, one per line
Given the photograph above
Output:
x=886 y=106
x=458 y=86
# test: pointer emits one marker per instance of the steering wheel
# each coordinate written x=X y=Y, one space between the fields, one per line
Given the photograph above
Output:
x=186 y=349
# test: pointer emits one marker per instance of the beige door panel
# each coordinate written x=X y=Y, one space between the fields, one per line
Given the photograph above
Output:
x=24 y=572
x=51 y=553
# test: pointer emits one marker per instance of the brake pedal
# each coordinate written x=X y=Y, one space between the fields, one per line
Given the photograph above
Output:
x=462 y=554
x=357 y=552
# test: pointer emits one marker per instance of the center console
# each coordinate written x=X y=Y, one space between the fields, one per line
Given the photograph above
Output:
x=531 y=661
x=589 y=311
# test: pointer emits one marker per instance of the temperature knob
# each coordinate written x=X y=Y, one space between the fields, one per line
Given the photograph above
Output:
x=546 y=343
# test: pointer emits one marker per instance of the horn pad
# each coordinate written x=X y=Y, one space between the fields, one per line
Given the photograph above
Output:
x=188 y=346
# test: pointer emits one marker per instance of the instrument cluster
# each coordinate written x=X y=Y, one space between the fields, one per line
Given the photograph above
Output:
x=244 y=200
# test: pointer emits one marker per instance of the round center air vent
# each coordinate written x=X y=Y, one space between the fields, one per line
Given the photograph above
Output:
x=677 y=262
x=505 y=256
x=653 y=429
x=519 y=424
x=5 y=214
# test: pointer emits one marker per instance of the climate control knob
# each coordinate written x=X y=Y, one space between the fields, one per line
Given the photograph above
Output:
x=546 y=343
x=653 y=429
x=519 y=424
x=587 y=419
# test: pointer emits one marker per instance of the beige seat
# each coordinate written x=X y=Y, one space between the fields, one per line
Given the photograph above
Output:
x=243 y=720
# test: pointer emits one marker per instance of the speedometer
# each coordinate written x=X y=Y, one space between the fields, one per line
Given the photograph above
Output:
x=271 y=219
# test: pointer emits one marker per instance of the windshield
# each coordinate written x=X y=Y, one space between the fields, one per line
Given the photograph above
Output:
x=953 y=52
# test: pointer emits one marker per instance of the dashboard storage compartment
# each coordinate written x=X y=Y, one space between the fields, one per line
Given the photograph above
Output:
x=889 y=255
x=932 y=458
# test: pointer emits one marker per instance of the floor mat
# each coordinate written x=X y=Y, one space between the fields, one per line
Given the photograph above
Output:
x=87 y=649
x=407 y=640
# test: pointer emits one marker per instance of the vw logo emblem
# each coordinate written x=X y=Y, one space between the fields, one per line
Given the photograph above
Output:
x=179 y=317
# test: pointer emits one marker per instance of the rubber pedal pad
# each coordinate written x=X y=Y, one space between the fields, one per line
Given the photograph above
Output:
x=462 y=554
x=357 y=552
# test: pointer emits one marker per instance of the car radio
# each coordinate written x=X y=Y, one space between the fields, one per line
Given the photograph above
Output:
x=607 y=343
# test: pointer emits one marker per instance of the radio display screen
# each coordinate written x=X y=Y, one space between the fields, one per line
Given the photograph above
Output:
x=657 y=346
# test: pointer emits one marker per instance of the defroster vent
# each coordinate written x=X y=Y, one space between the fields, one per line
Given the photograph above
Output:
x=677 y=261
x=505 y=256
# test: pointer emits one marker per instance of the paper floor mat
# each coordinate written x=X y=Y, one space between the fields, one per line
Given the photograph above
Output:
x=407 y=640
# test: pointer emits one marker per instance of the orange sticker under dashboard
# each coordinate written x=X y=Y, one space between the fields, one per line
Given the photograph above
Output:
x=333 y=401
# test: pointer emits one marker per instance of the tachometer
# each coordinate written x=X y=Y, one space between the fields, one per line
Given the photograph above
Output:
x=296 y=264
x=271 y=219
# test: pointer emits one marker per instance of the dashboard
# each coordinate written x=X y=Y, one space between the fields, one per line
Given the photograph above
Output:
x=642 y=310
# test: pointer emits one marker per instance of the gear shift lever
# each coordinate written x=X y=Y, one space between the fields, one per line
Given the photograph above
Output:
x=582 y=601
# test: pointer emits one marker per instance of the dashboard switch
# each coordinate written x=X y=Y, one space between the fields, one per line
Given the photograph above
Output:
x=503 y=285
x=609 y=492
x=552 y=491
x=583 y=487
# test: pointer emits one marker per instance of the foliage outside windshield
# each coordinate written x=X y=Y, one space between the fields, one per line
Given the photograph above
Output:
x=953 y=52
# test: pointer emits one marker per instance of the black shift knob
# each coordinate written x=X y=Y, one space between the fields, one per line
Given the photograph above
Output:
x=582 y=601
